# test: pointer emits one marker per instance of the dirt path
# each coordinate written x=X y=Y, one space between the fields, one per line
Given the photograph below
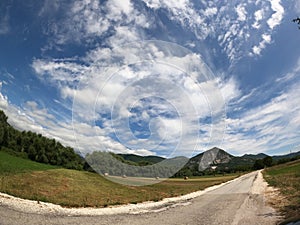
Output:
x=240 y=201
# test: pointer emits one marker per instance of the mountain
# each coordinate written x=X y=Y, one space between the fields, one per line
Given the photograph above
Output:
x=218 y=160
x=290 y=155
x=204 y=160
x=38 y=148
x=140 y=159
x=252 y=156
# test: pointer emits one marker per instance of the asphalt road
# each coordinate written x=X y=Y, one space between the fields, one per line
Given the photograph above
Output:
x=233 y=203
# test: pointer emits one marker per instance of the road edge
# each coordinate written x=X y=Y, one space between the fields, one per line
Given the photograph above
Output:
x=38 y=207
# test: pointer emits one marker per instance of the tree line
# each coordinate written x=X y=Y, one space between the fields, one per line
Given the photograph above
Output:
x=36 y=147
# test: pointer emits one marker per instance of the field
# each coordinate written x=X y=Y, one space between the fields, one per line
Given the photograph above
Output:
x=71 y=188
x=286 y=177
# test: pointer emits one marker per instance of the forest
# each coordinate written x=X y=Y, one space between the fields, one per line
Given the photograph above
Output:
x=27 y=144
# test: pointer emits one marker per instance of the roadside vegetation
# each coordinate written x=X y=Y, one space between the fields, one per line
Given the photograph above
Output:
x=286 y=177
x=33 y=146
x=72 y=188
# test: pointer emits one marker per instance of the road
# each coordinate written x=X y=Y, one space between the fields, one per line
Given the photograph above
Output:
x=233 y=203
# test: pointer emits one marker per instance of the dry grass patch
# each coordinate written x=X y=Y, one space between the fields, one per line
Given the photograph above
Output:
x=30 y=180
x=286 y=178
x=83 y=189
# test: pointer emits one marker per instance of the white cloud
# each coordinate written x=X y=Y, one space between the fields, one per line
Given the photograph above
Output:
x=259 y=15
x=86 y=21
x=210 y=11
x=230 y=90
x=117 y=8
x=61 y=71
x=266 y=40
x=180 y=78
x=169 y=129
x=121 y=23
x=113 y=78
x=276 y=18
x=270 y=126
x=241 y=12
x=81 y=136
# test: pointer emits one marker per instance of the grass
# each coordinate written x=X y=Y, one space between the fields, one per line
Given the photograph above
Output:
x=71 y=188
x=286 y=177
x=11 y=164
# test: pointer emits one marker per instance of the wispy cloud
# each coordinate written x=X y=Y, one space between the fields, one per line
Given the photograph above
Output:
x=4 y=20
x=297 y=6
x=237 y=30
x=268 y=126
x=238 y=26
x=122 y=84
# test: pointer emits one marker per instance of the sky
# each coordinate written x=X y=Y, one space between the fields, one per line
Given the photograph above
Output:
x=154 y=77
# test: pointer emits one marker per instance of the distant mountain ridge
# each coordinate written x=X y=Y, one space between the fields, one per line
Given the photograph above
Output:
x=212 y=156
x=257 y=156
x=214 y=159
x=38 y=148
x=152 y=159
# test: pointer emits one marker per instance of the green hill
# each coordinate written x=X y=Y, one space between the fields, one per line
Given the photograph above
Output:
x=13 y=164
x=36 y=147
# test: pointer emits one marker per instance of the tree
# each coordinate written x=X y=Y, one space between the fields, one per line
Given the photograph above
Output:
x=32 y=153
x=297 y=20
x=259 y=164
x=36 y=147
x=3 y=118
x=268 y=161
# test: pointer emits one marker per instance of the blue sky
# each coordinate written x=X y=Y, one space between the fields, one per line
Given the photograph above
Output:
x=154 y=77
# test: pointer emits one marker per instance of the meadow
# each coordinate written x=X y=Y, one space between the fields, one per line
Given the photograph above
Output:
x=286 y=177
x=72 y=188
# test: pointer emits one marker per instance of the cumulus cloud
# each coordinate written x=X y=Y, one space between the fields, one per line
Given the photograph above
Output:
x=113 y=83
x=138 y=73
x=241 y=12
x=276 y=18
x=259 y=15
x=266 y=39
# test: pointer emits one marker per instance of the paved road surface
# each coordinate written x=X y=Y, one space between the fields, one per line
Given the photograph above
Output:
x=233 y=203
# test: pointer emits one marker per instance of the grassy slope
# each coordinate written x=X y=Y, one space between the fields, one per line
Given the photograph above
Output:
x=286 y=177
x=27 y=179
x=12 y=164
